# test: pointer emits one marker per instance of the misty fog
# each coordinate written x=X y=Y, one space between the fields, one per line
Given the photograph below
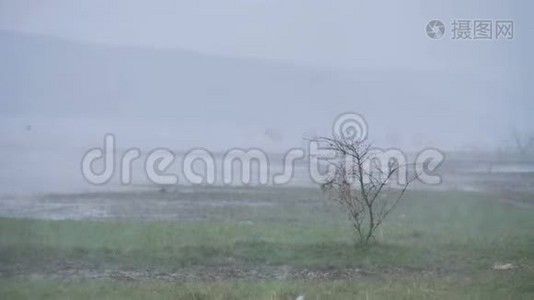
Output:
x=264 y=74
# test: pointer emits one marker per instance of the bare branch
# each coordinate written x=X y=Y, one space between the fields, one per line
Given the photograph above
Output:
x=361 y=186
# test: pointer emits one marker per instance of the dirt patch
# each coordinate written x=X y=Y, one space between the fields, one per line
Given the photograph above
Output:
x=516 y=203
x=183 y=205
x=209 y=274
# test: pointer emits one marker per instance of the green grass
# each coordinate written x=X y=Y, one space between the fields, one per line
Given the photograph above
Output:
x=436 y=245
x=495 y=287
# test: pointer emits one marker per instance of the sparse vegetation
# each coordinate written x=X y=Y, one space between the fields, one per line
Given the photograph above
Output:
x=437 y=245
x=362 y=186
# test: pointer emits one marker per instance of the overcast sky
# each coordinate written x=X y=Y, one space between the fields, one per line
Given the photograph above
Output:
x=374 y=36
x=250 y=73
x=344 y=33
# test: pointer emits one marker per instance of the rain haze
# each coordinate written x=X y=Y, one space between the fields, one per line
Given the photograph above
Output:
x=264 y=75
x=256 y=74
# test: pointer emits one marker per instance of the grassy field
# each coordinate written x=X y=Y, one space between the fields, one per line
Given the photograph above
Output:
x=436 y=245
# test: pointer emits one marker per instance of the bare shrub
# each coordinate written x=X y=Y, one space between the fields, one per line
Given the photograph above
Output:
x=524 y=142
x=361 y=184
